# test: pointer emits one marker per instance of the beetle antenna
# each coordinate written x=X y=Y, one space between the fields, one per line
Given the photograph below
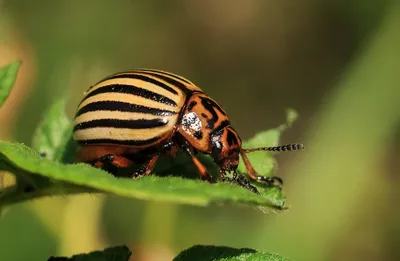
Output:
x=288 y=147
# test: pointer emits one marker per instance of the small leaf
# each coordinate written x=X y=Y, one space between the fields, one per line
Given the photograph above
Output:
x=118 y=253
x=221 y=253
x=53 y=133
x=262 y=161
x=291 y=117
x=78 y=178
x=8 y=75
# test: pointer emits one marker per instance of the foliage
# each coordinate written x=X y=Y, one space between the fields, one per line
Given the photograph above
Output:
x=8 y=74
x=195 y=253
x=219 y=253
x=118 y=253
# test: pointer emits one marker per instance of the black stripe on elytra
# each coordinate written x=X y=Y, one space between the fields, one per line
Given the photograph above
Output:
x=191 y=105
x=168 y=74
x=123 y=107
x=116 y=123
x=171 y=81
x=130 y=89
x=145 y=79
x=119 y=142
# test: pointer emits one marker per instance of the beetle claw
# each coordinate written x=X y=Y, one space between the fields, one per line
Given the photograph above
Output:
x=139 y=173
x=270 y=180
x=244 y=182
x=240 y=180
x=208 y=179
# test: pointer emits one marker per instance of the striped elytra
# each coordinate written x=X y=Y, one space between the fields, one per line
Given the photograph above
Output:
x=131 y=118
x=136 y=108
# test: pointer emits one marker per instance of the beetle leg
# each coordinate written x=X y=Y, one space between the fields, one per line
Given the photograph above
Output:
x=170 y=149
x=111 y=163
x=202 y=170
x=111 y=160
x=145 y=169
x=244 y=182
x=239 y=180
x=200 y=167
x=252 y=173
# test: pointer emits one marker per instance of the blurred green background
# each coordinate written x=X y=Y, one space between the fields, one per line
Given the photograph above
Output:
x=335 y=62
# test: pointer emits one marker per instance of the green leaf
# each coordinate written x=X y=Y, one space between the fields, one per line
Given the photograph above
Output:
x=221 y=253
x=78 y=178
x=8 y=74
x=53 y=133
x=118 y=253
x=262 y=161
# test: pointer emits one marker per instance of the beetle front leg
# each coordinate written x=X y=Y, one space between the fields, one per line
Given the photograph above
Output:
x=239 y=180
x=200 y=167
x=270 y=181
x=202 y=170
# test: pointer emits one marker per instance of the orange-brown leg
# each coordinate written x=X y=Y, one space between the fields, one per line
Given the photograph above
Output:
x=200 y=167
x=116 y=161
x=240 y=180
x=112 y=163
x=202 y=170
x=145 y=169
x=252 y=173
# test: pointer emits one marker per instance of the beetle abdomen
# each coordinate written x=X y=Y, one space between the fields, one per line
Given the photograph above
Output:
x=135 y=108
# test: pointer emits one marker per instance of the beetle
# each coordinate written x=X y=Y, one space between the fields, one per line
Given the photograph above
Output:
x=133 y=117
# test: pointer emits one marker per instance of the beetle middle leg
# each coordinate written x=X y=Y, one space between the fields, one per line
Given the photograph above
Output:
x=112 y=163
x=145 y=169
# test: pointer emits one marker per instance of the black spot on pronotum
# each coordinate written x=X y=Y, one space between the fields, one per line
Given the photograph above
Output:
x=191 y=105
x=231 y=137
x=198 y=135
x=220 y=127
x=211 y=106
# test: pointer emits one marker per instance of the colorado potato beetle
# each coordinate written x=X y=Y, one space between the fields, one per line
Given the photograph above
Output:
x=135 y=116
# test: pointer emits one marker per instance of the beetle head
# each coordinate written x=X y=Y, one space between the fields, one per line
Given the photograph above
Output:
x=226 y=145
